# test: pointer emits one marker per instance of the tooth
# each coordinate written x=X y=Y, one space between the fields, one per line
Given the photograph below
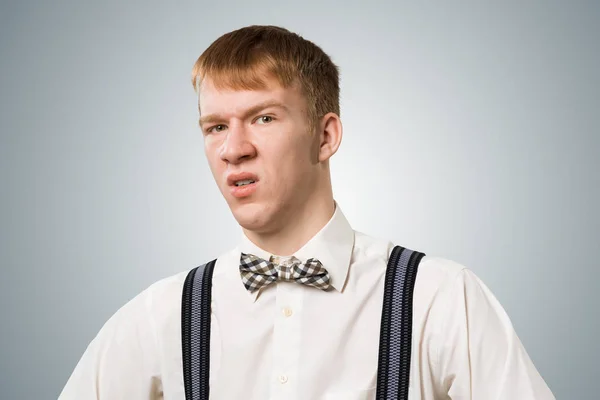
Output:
x=244 y=182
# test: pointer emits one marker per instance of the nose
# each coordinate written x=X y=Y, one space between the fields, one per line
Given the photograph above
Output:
x=237 y=147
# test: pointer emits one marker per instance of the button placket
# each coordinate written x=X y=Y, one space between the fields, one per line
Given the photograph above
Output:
x=286 y=341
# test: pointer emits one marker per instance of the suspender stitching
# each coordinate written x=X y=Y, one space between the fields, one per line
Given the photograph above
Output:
x=384 y=341
x=186 y=311
x=407 y=314
x=205 y=319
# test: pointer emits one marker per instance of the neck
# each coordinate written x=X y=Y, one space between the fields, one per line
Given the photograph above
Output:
x=296 y=228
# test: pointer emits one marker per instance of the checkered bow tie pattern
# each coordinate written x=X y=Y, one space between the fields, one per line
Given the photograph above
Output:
x=257 y=272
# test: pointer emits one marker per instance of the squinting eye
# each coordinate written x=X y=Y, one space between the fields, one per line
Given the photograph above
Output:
x=216 y=128
x=265 y=119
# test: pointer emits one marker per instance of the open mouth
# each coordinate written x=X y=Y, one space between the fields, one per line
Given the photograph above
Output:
x=244 y=182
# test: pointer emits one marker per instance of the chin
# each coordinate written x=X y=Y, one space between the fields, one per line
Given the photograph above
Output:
x=252 y=217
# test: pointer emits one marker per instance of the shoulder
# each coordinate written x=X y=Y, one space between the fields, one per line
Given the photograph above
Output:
x=433 y=271
x=437 y=278
x=164 y=295
x=449 y=295
x=141 y=313
x=437 y=272
x=160 y=302
x=436 y=275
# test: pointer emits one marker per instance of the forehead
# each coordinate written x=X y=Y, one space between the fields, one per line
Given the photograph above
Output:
x=213 y=98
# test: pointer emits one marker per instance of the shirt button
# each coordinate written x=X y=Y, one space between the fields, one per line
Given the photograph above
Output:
x=283 y=379
x=287 y=312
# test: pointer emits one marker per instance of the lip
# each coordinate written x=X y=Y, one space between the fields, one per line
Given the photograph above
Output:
x=242 y=176
x=242 y=191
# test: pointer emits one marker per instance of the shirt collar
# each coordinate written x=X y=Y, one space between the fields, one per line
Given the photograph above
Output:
x=332 y=245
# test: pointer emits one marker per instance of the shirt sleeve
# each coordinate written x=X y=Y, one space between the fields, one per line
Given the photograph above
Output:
x=480 y=355
x=120 y=362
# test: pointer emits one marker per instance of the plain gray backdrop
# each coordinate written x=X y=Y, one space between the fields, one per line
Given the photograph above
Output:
x=472 y=132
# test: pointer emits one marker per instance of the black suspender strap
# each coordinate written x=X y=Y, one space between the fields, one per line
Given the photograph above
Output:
x=195 y=331
x=395 y=342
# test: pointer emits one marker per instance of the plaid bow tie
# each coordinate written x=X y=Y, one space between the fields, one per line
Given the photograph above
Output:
x=257 y=272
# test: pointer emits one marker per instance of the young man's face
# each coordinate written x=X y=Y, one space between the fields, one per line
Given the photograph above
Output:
x=261 y=152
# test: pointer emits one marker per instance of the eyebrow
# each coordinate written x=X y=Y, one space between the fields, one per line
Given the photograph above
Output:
x=252 y=110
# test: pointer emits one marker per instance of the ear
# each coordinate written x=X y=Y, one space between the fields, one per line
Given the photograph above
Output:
x=330 y=136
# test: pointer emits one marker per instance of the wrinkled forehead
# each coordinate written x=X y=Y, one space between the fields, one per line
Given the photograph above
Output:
x=216 y=94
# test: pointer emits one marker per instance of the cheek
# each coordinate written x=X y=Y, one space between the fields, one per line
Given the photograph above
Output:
x=290 y=162
x=295 y=144
x=214 y=160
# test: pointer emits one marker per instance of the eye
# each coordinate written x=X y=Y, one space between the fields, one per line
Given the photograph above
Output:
x=216 y=128
x=265 y=119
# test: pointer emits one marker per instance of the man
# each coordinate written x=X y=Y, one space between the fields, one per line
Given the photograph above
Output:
x=269 y=113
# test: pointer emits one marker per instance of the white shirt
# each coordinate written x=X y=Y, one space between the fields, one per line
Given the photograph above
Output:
x=296 y=342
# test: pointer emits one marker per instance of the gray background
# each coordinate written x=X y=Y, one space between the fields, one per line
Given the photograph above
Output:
x=471 y=132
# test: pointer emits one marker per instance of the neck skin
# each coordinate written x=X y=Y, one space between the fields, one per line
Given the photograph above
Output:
x=298 y=224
